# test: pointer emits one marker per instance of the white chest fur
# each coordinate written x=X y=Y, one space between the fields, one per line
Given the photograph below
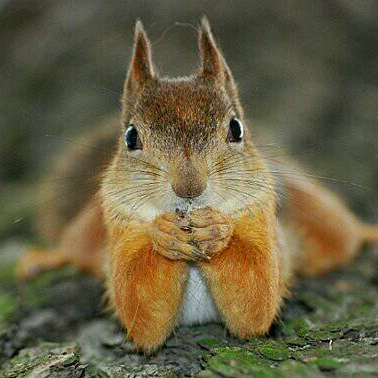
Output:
x=198 y=306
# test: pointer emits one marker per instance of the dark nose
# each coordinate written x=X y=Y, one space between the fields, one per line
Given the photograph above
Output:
x=187 y=189
x=189 y=179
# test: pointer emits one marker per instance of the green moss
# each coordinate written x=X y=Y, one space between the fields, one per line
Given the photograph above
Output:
x=295 y=327
x=362 y=351
x=207 y=374
x=233 y=361
x=210 y=343
x=236 y=362
x=290 y=369
x=296 y=341
x=325 y=363
x=274 y=352
x=7 y=307
x=321 y=334
x=7 y=277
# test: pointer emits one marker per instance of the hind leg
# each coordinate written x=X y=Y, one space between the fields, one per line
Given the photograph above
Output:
x=328 y=234
x=82 y=244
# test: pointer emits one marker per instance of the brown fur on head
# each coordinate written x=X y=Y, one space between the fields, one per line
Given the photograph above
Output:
x=183 y=153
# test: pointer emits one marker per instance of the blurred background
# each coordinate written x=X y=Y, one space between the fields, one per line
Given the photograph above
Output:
x=307 y=71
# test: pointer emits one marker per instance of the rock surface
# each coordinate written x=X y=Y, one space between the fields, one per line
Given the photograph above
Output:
x=57 y=326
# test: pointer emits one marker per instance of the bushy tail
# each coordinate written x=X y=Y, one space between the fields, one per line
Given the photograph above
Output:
x=370 y=233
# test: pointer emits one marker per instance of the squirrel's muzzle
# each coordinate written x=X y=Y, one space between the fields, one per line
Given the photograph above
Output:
x=189 y=178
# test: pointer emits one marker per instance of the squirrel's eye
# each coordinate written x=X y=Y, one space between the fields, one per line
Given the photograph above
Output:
x=236 y=131
x=132 y=138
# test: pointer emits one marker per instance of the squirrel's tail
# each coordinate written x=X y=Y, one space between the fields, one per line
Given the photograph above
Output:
x=369 y=233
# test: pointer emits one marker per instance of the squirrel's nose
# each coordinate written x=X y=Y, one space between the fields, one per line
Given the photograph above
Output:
x=189 y=178
x=187 y=189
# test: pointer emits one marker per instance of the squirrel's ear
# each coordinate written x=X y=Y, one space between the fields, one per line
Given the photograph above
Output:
x=212 y=60
x=213 y=63
x=141 y=68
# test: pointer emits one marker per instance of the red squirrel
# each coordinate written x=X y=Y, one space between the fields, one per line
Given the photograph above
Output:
x=182 y=222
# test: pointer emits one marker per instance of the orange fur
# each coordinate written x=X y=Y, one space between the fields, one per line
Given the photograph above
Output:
x=244 y=278
x=82 y=244
x=35 y=261
x=330 y=235
x=146 y=288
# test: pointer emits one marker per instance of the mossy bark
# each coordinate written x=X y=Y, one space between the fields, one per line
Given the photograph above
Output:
x=57 y=326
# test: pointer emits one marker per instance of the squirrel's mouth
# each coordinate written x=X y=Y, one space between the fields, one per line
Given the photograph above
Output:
x=189 y=204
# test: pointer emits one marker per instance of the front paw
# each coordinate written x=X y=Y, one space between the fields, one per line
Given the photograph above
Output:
x=211 y=230
x=171 y=237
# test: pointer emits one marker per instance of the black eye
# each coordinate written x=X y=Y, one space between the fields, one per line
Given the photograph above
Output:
x=132 y=139
x=236 y=131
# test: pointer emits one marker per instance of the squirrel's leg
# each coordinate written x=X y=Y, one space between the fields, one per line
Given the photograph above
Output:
x=327 y=234
x=145 y=288
x=244 y=279
x=35 y=261
x=81 y=244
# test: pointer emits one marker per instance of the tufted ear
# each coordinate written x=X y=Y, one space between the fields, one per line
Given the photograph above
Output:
x=211 y=58
x=213 y=63
x=141 y=69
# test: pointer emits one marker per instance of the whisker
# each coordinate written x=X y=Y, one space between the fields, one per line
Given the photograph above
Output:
x=64 y=139
x=335 y=179
x=147 y=163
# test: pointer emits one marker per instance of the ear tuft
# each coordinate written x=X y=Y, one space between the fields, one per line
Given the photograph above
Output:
x=214 y=65
x=141 y=68
x=205 y=24
x=211 y=57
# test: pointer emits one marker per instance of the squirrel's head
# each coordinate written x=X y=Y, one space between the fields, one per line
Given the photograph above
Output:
x=184 y=140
